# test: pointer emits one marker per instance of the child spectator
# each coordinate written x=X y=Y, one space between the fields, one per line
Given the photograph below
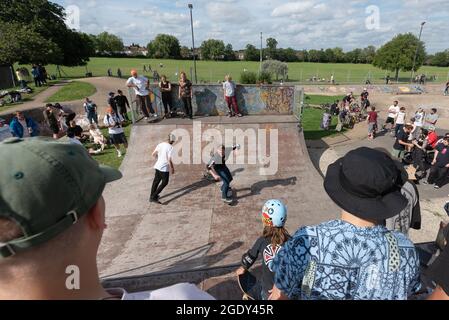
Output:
x=274 y=216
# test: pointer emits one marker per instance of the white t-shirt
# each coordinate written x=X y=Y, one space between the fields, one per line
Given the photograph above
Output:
x=141 y=83
x=180 y=291
x=164 y=154
x=114 y=121
x=400 y=118
x=419 y=119
x=26 y=133
x=393 y=111
x=229 y=88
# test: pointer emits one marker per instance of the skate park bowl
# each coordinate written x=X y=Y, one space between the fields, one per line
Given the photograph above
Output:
x=194 y=236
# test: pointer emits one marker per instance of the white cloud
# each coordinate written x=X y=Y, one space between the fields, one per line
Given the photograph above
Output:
x=292 y=8
x=298 y=24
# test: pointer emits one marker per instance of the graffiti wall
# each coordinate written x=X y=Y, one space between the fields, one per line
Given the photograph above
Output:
x=208 y=100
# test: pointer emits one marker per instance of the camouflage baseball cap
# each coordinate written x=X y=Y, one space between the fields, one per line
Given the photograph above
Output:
x=45 y=187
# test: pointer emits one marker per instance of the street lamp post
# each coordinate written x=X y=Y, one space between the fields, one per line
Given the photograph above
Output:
x=193 y=42
x=261 y=57
x=416 y=52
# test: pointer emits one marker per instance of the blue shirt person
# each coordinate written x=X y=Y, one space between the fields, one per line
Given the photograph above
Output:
x=23 y=127
x=340 y=261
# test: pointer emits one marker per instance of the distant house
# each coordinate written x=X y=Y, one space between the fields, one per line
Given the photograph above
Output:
x=240 y=55
x=135 y=50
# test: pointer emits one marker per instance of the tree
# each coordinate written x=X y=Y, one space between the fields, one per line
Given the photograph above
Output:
x=18 y=43
x=367 y=55
x=185 y=52
x=354 y=56
x=46 y=19
x=164 y=46
x=251 y=53
x=398 y=54
x=108 y=43
x=272 y=48
x=275 y=67
x=287 y=55
x=329 y=56
x=213 y=49
x=439 y=59
x=229 y=54
x=314 y=55
x=338 y=54
x=303 y=56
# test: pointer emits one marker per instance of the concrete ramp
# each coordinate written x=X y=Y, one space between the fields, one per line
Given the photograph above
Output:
x=194 y=229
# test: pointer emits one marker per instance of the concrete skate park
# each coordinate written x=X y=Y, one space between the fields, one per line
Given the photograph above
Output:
x=194 y=236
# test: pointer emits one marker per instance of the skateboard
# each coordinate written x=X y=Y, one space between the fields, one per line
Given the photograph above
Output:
x=249 y=286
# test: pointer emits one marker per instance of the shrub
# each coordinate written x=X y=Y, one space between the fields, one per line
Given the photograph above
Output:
x=275 y=67
x=265 y=77
x=248 y=78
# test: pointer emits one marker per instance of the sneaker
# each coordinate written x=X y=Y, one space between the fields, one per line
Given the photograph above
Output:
x=155 y=115
x=228 y=200
x=146 y=118
x=239 y=115
x=425 y=182
x=119 y=154
x=436 y=187
x=155 y=201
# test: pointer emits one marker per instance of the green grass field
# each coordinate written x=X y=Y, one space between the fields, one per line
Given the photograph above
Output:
x=212 y=71
x=109 y=155
x=311 y=121
x=319 y=99
x=75 y=90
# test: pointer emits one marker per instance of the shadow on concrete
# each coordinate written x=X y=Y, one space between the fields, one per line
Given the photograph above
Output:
x=192 y=187
x=192 y=260
x=257 y=187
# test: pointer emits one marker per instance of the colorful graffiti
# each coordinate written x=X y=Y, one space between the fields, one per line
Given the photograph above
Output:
x=278 y=99
x=208 y=100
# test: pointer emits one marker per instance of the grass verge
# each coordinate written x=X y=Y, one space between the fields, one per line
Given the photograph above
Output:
x=75 y=90
x=109 y=155
x=311 y=121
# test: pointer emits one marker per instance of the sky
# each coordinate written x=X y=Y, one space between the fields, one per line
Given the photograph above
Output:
x=307 y=24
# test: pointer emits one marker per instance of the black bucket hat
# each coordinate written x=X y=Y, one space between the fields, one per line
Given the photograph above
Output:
x=367 y=183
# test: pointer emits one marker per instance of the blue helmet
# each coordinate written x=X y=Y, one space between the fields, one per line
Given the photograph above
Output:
x=274 y=214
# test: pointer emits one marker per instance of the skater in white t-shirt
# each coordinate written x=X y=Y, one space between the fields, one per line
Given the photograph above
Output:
x=164 y=166
x=392 y=114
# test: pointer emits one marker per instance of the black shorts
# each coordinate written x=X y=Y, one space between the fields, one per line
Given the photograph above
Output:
x=119 y=138
x=390 y=120
x=54 y=129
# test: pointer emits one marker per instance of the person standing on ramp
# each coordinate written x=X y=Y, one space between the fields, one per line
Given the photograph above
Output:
x=164 y=166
